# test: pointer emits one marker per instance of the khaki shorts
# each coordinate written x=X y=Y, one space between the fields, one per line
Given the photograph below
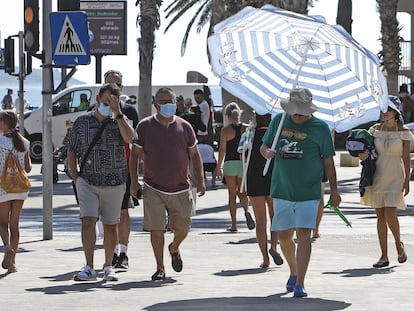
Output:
x=104 y=202
x=158 y=205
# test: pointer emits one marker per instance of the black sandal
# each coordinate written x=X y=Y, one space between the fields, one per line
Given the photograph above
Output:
x=381 y=264
x=402 y=257
x=176 y=260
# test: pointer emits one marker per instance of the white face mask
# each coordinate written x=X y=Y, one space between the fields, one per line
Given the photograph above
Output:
x=168 y=110
x=105 y=110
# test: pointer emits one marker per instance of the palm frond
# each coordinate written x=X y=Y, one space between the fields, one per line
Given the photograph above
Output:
x=186 y=34
x=204 y=17
x=177 y=5
x=190 y=24
x=181 y=8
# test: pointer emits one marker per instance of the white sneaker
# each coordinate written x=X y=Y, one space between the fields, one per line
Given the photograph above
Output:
x=86 y=274
x=109 y=274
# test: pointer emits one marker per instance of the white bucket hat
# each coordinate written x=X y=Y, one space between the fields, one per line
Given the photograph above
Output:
x=394 y=103
x=299 y=102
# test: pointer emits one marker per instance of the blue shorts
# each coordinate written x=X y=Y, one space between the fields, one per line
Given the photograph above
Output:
x=294 y=215
x=233 y=168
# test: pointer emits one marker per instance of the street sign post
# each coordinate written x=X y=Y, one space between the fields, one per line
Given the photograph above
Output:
x=70 y=41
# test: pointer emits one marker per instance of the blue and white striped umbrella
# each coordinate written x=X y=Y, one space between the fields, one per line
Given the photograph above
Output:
x=261 y=54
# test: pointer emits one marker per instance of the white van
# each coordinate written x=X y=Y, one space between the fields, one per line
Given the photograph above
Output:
x=66 y=105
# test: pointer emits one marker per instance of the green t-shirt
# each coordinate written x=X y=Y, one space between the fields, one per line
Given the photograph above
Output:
x=298 y=168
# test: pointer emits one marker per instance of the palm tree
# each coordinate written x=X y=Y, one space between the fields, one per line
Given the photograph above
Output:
x=214 y=11
x=149 y=21
x=390 y=56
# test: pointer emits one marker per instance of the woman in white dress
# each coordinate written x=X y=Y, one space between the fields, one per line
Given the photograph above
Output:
x=391 y=179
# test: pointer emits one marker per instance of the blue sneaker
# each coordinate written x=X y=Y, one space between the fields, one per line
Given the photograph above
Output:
x=290 y=285
x=299 y=291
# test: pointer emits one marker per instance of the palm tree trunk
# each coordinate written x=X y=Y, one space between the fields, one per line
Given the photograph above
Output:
x=390 y=55
x=298 y=6
x=344 y=15
x=149 y=22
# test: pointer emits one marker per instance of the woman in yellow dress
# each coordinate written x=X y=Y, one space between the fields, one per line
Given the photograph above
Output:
x=391 y=179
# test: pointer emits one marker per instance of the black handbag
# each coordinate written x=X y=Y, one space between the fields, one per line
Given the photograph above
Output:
x=88 y=151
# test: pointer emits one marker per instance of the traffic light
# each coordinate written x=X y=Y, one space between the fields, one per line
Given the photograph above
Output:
x=9 y=55
x=31 y=26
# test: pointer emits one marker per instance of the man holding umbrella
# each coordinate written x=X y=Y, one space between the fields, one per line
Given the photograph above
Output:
x=303 y=152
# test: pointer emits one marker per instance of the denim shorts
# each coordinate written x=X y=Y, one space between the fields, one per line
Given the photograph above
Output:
x=233 y=168
x=292 y=215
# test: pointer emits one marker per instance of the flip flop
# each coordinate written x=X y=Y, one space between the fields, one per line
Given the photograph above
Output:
x=231 y=230
x=249 y=221
x=276 y=257
x=381 y=264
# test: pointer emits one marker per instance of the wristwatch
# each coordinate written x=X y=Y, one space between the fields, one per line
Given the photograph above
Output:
x=119 y=116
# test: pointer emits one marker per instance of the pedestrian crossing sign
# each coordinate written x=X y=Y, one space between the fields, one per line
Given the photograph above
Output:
x=70 y=40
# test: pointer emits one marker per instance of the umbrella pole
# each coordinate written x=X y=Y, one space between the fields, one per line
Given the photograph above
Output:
x=245 y=168
x=279 y=129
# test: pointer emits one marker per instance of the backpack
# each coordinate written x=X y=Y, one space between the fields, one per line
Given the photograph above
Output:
x=358 y=141
x=14 y=179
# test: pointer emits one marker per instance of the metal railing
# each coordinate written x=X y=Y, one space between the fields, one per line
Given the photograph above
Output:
x=405 y=65
x=405 y=47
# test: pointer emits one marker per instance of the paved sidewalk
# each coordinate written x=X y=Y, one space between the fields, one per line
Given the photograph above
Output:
x=221 y=270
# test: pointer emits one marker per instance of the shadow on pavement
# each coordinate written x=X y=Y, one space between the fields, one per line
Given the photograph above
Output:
x=242 y=272
x=274 y=302
x=245 y=241
x=363 y=272
x=79 y=248
x=81 y=287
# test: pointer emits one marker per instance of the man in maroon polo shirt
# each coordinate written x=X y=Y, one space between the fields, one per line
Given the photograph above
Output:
x=166 y=144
